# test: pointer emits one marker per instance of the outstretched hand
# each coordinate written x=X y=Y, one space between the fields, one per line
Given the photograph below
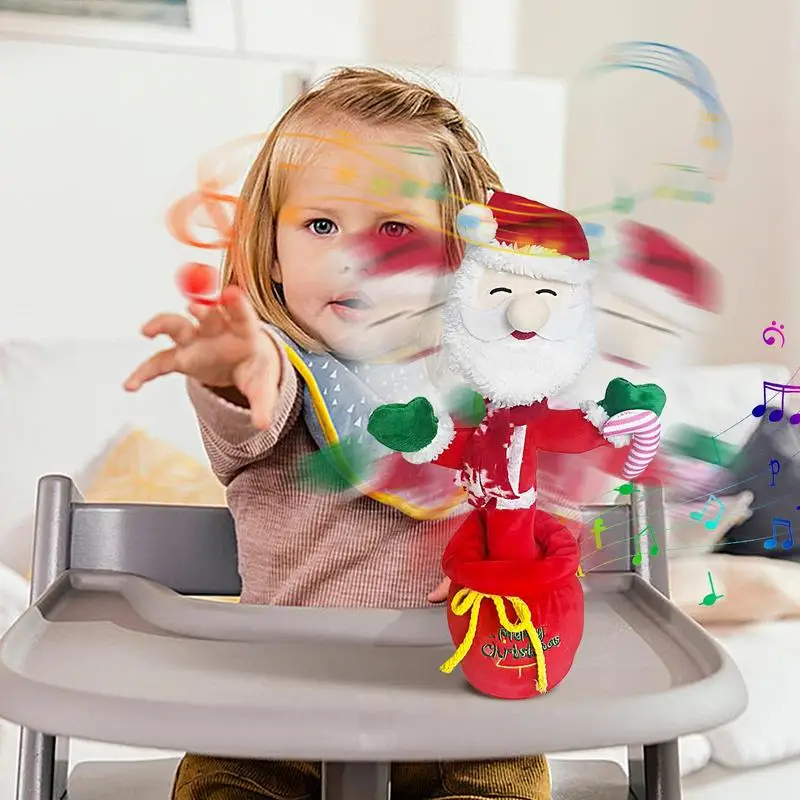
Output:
x=221 y=346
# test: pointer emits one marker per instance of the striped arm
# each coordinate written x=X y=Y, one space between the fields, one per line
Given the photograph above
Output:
x=644 y=427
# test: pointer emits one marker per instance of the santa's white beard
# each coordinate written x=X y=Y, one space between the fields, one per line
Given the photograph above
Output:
x=511 y=372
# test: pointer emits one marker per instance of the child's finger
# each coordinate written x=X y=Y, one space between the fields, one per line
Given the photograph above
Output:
x=199 y=311
x=440 y=593
x=178 y=328
x=241 y=316
x=211 y=321
x=162 y=363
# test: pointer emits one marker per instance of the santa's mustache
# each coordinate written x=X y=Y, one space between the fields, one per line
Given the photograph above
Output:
x=509 y=371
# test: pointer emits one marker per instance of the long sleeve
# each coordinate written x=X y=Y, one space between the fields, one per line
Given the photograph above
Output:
x=569 y=431
x=231 y=441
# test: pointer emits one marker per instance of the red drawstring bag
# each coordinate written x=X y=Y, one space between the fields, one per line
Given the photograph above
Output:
x=516 y=624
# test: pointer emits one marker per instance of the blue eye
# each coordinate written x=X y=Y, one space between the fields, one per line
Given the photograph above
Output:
x=322 y=226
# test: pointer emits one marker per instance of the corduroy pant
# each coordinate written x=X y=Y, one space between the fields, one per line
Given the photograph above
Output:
x=207 y=778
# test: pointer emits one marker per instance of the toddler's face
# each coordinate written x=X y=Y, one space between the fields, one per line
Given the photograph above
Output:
x=343 y=190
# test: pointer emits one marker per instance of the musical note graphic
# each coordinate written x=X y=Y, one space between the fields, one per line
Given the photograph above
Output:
x=778 y=330
x=598 y=528
x=773 y=470
x=776 y=415
x=711 y=524
x=712 y=596
x=626 y=488
x=648 y=531
x=772 y=542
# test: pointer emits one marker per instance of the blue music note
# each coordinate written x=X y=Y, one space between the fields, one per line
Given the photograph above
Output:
x=772 y=542
x=776 y=415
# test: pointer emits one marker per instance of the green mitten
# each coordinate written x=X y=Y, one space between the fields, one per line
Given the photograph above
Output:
x=622 y=395
x=404 y=427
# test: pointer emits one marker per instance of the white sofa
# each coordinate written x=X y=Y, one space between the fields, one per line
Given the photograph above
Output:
x=61 y=404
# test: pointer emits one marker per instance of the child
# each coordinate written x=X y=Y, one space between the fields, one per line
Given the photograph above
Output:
x=296 y=547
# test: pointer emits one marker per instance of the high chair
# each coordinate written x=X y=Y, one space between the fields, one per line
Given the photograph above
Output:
x=116 y=647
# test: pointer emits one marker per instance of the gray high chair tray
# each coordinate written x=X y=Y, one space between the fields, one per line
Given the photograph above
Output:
x=114 y=648
x=99 y=657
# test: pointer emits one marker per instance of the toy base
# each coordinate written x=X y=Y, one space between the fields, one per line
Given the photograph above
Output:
x=502 y=664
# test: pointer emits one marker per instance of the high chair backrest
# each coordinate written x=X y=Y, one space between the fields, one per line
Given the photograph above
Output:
x=191 y=549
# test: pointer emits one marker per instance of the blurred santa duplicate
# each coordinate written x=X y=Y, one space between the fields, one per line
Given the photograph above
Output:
x=654 y=302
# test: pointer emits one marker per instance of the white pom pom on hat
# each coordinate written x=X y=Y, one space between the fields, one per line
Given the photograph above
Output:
x=515 y=234
x=476 y=223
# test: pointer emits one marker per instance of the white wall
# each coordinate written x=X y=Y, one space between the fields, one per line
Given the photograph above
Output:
x=99 y=143
x=105 y=134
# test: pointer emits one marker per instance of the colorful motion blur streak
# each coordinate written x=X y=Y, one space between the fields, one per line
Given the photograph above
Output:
x=714 y=141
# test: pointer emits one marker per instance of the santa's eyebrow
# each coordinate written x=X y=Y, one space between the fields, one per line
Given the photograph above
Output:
x=639 y=321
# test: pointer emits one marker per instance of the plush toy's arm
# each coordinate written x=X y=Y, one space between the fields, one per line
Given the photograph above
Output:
x=572 y=430
x=415 y=430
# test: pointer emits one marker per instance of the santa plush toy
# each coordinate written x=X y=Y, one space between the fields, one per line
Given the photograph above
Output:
x=518 y=326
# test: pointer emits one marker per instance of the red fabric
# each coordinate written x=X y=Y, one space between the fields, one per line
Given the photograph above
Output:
x=500 y=664
x=525 y=222
x=481 y=454
x=382 y=256
x=650 y=254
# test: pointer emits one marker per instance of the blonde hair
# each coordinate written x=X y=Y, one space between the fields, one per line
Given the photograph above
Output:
x=353 y=95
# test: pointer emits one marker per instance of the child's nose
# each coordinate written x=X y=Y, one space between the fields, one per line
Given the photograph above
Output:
x=527 y=313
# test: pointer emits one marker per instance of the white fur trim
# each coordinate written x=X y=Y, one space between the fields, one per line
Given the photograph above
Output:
x=515 y=452
x=598 y=416
x=525 y=500
x=659 y=299
x=445 y=432
x=540 y=263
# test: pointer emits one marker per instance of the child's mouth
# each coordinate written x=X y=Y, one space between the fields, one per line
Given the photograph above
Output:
x=350 y=307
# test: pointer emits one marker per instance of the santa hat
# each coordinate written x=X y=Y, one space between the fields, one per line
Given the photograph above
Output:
x=514 y=234
x=656 y=272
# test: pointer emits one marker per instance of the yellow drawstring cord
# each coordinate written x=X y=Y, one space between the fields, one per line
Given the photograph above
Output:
x=465 y=600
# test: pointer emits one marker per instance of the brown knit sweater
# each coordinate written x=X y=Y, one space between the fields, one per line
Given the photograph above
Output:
x=304 y=548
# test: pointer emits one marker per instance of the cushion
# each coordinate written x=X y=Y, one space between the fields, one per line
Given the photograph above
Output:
x=751 y=588
x=771 y=440
x=61 y=404
x=686 y=536
x=766 y=655
x=142 y=469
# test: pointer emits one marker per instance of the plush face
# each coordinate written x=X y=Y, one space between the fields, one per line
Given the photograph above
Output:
x=517 y=339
